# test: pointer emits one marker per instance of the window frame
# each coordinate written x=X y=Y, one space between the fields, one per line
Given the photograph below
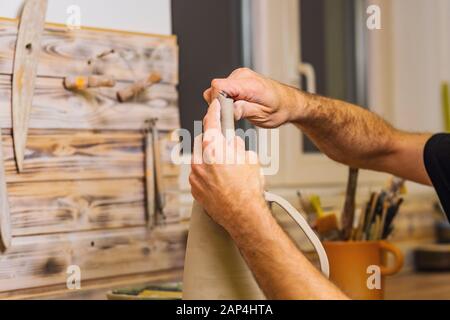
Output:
x=276 y=53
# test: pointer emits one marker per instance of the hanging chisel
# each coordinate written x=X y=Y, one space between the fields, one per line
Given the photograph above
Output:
x=28 y=48
x=153 y=175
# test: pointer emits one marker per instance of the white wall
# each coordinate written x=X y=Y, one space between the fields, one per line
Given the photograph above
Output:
x=152 y=16
x=418 y=64
x=409 y=59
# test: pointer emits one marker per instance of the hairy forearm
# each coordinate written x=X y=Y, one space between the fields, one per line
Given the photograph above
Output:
x=345 y=132
x=280 y=269
x=357 y=137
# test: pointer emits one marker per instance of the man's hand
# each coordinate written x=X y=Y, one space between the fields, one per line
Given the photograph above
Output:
x=225 y=179
x=344 y=132
x=264 y=102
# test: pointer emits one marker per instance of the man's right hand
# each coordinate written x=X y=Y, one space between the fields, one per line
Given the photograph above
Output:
x=264 y=102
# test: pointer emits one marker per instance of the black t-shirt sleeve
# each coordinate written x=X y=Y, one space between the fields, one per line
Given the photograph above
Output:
x=437 y=163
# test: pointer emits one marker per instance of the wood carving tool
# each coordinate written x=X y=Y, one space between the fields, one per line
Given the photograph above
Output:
x=159 y=183
x=149 y=175
x=153 y=176
x=348 y=214
x=214 y=268
x=28 y=48
x=85 y=82
x=5 y=217
x=137 y=87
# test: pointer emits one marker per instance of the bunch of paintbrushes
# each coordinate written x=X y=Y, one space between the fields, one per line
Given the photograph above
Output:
x=375 y=222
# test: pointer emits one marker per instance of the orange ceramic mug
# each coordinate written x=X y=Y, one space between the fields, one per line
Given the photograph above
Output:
x=358 y=267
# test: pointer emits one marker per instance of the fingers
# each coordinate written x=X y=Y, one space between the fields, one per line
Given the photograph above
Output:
x=246 y=110
x=242 y=108
x=238 y=89
x=207 y=95
x=241 y=72
x=197 y=153
x=212 y=129
x=236 y=151
x=226 y=85
x=196 y=186
x=251 y=157
x=211 y=121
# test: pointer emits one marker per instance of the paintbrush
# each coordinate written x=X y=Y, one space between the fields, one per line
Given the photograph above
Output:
x=380 y=232
x=391 y=214
x=359 y=235
x=348 y=213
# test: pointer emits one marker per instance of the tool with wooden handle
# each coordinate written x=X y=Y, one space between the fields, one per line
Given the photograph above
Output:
x=348 y=213
x=85 y=82
x=28 y=48
x=150 y=191
x=153 y=176
x=137 y=87
x=214 y=268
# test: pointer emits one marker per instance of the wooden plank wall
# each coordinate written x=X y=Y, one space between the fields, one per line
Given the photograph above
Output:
x=81 y=198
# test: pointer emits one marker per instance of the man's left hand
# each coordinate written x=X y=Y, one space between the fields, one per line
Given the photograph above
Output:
x=225 y=179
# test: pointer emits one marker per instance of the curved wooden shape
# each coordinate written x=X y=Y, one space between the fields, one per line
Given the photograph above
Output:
x=28 y=48
x=5 y=219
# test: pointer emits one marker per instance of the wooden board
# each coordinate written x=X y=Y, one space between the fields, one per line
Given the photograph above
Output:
x=80 y=199
x=72 y=206
x=54 y=155
x=43 y=260
x=98 y=109
x=68 y=206
x=67 y=52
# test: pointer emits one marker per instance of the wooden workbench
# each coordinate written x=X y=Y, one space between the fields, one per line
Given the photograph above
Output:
x=418 y=286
